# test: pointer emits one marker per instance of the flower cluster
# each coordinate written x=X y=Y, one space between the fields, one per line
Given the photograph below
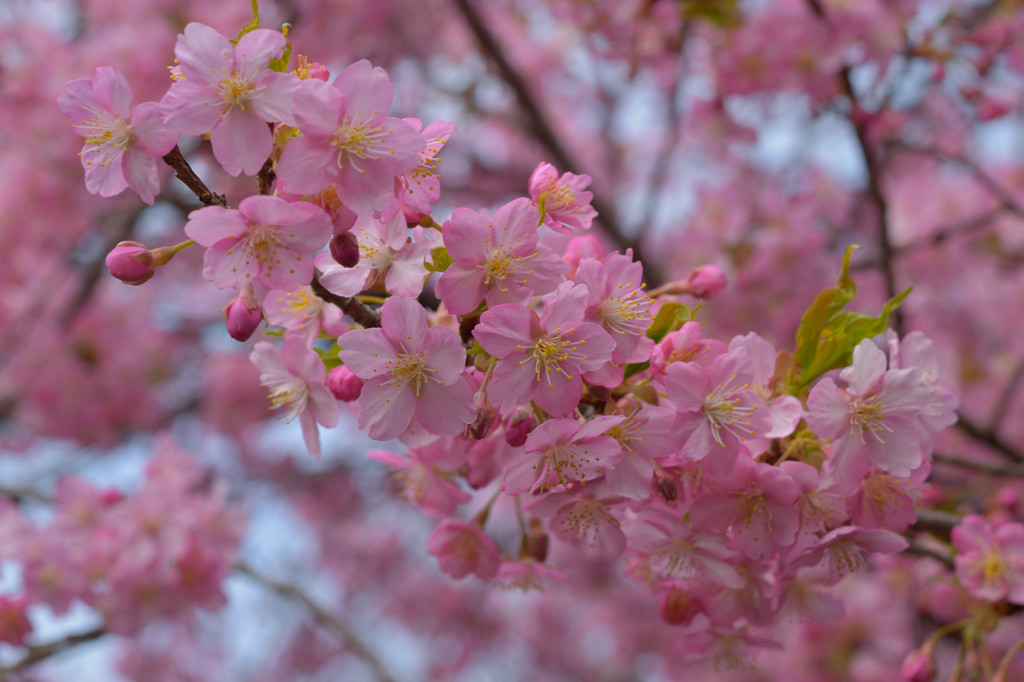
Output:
x=732 y=481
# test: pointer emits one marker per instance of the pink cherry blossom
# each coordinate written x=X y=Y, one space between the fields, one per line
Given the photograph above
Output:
x=295 y=379
x=463 y=548
x=618 y=303
x=421 y=187
x=565 y=200
x=561 y=452
x=348 y=138
x=874 y=419
x=542 y=357
x=267 y=238
x=231 y=92
x=990 y=560
x=410 y=370
x=496 y=259
x=121 y=143
x=304 y=314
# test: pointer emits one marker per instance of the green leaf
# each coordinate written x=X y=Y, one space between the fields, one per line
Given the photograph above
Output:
x=439 y=259
x=671 y=317
x=634 y=368
x=825 y=305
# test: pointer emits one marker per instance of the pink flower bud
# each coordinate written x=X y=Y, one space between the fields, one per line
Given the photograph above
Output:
x=918 y=666
x=130 y=262
x=343 y=384
x=243 y=314
x=412 y=218
x=706 y=281
x=345 y=249
x=518 y=428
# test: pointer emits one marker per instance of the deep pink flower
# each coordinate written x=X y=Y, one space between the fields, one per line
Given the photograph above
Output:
x=496 y=259
x=421 y=187
x=349 y=138
x=990 y=561
x=542 y=358
x=267 y=238
x=295 y=377
x=463 y=548
x=121 y=143
x=565 y=199
x=231 y=92
x=410 y=369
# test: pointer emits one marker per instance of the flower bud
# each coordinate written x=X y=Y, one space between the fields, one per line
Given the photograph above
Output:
x=412 y=218
x=918 y=665
x=243 y=314
x=706 y=281
x=518 y=428
x=343 y=384
x=130 y=262
x=345 y=249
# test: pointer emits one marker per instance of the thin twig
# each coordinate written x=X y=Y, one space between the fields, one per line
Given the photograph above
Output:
x=41 y=652
x=184 y=172
x=988 y=436
x=957 y=229
x=877 y=197
x=1003 y=404
x=353 y=307
x=543 y=131
x=915 y=547
x=1014 y=470
x=938 y=522
x=338 y=626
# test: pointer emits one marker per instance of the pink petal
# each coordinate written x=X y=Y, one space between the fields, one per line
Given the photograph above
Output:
x=445 y=410
x=385 y=410
x=212 y=224
x=241 y=142
x=140 y=173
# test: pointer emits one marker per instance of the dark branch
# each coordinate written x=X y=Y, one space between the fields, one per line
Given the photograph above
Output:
x=184 y=172
x=353 y=307
x=989 y=437
x=41 y=652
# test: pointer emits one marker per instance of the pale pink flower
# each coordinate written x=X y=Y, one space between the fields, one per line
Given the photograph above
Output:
x=463 y=548
x=421 y=187
x=231 y=92
x=784 y=411
x=410 y=370
x=718 y=407
x=386 y=256
x=874 y=420
x=990 y=561
x=542 y=358
x=349 y=138
x=582 y=516
x=121 y=143
x=685 y=345
x=295 y=378
x=496 y=259
x=302 y=313
x=267 y=238
x=424 y=482
x=842 y=551
x=565 y=201
x=561 y=452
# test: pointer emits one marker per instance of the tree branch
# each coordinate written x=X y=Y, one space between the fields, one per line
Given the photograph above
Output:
x=352 y=306
x=184 y=172
x=339 y=627
x=41 y=652
x=543 y=131
x=1014 y=470
x=988 y=436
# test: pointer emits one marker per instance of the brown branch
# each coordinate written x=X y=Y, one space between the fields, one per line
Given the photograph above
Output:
x=41 y=652
x=184 y=172
x=877 y=197
x=960 y=228
x=1003 y=404
x=350 y=305
x=981 y=467
x=265 y=178
x=937 y=522
x=544 y=132
x=988 y=436
x=336 y=625
x=915 y=547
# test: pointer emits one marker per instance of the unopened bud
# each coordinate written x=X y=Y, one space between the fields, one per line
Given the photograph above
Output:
x=918 y=665
x=679 y=608
x=518 y=428
x=130 y=262
x=345 y=249
x=243 y=314
x=412 y=218
x=343 y=384
x=706 y=281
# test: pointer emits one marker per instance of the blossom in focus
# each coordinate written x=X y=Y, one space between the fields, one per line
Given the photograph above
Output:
x=561 y=452
x=410 y=370
x=231 y=92
x=564 y=200
x=122 y=143
x=267 y=238
x=295 y=377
